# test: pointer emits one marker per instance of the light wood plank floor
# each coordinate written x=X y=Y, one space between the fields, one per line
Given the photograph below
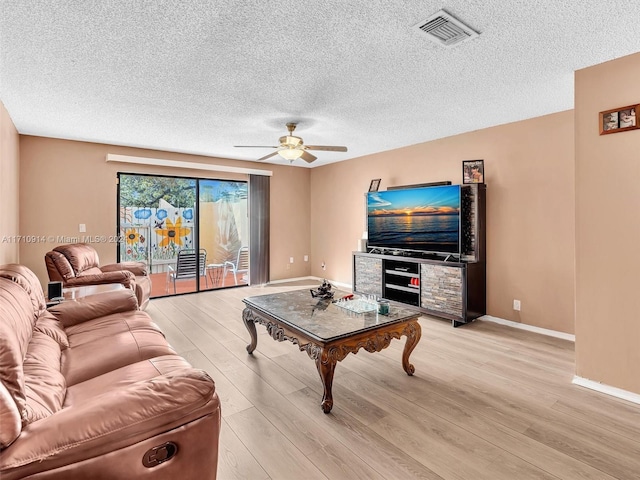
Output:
x=486 y=402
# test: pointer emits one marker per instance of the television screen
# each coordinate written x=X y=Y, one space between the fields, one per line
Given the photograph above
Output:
x=424 y=219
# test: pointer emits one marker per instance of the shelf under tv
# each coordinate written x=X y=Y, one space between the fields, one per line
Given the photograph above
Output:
x=443 y=257
x=409 y=289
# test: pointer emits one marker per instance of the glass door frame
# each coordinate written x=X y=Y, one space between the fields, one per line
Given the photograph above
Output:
x=196 y=226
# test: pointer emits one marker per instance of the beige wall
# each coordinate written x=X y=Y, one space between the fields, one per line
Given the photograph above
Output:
x=9 y=182
x=65 y=183
x=529 y=171
x=607 y=228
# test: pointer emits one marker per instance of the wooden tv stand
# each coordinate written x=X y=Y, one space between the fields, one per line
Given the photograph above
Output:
x=451 y=290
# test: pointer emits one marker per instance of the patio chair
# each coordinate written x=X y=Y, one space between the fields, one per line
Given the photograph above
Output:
x=241 y=265
x=188 y=265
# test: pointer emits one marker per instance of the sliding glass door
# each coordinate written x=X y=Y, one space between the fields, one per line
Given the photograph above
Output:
x=190 y=232
x=224 y=231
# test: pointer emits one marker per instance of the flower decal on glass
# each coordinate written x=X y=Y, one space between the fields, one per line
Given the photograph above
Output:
x=172 y=233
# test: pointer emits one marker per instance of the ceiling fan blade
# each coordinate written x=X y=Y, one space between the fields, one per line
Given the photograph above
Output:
x=326 y=147
x=267 y=156
x=254 y=146
x=307 y=157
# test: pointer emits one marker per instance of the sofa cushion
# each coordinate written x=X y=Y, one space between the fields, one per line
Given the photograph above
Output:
x=60 y=266
x=91 y=271
x=80 y=255
x=16 y=328
x=45 y=386
x=143 y=291
x=121 y=378
x=29 y=282
x=11 y=371
x=109 y=325
x=139 y=269
x=88 y=359
x=9 y=418
x=94 y=306
x=49 y=325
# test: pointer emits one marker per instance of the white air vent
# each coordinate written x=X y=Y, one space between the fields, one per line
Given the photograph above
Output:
x=445 y=30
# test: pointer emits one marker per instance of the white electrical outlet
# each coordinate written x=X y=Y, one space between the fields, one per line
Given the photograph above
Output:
x=516 y=305
x=82 y=228
x=290 y=259
x=306 y=258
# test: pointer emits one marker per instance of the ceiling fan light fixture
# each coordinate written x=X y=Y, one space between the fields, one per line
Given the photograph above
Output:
x=292 y=147
x=290 y=153
x=290 y=141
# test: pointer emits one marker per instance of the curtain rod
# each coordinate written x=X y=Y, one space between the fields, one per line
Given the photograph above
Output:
x=159 y=162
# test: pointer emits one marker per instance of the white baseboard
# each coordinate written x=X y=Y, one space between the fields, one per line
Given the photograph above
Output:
x=529 y=328
x=287 y=280
x=606 y=389
x=315 y=279
x=348 y=286
x=580 y=381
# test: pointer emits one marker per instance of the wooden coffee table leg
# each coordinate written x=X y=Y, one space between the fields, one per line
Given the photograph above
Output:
x=249 y=322
x=326 y=367
x=413 y=333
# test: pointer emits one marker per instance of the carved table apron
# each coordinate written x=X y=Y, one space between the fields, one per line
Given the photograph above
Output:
x=328 y=353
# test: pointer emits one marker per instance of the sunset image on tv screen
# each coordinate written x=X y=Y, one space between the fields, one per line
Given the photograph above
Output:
x=426 y=219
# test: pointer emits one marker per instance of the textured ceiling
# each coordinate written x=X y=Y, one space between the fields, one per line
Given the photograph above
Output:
x=202 y=76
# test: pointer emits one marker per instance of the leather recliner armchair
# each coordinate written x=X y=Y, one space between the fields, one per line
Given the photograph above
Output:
x=77 y=265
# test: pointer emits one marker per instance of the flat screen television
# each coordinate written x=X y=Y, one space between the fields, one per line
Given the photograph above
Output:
x=418 y=219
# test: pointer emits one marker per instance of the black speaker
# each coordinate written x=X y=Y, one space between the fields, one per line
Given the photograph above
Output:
x=54 y=290
x=420 y=185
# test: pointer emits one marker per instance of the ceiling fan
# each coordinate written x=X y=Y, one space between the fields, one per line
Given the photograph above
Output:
x=292 y=147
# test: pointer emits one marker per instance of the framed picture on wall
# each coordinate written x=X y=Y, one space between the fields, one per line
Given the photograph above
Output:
x=374 y=185
x=473 y=171
x=619 y=120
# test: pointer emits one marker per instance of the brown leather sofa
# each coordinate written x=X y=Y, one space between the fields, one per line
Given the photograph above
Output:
x=77 y=265
x=91 y=389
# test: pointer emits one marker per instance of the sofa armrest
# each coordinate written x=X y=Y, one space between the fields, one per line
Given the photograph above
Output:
x=72 y=312
x=124 y=277
x=112 y=421
x=137 y=268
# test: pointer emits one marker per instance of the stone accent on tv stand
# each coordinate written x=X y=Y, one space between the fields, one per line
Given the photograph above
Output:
x=441 y=289
x=368 y=279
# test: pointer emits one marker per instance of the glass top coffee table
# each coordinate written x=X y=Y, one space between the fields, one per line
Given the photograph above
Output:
x=74 y=293
x=328 y=332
